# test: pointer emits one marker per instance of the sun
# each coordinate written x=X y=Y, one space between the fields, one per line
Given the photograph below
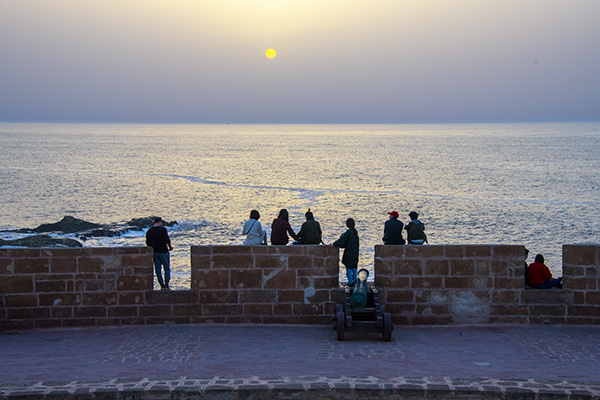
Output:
x=270 y=54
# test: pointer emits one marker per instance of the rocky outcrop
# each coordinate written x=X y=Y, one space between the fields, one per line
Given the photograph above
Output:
x=67 y=225
x=43 y=241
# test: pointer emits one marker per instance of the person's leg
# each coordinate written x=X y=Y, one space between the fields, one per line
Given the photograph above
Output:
x=351 y=274
x=165 y=260
x=550 y=283
x=158 y=269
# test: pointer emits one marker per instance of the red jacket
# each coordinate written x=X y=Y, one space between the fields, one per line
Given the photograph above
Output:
x=537 y=273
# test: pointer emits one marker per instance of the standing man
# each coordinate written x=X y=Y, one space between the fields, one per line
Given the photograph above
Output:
x=157 y=237
x=392 y=230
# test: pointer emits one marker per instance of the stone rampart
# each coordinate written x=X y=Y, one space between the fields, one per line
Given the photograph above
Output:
x=482 y=284
x=446 y=284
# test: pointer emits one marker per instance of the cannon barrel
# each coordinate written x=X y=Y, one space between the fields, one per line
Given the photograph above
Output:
x=359 y=296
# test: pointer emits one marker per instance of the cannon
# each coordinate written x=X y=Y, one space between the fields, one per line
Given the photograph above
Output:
x=361 y=310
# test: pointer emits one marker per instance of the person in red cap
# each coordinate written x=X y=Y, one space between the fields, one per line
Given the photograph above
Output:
x=392 y=230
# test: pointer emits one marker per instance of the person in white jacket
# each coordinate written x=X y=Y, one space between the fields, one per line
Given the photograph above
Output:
x=255 y=235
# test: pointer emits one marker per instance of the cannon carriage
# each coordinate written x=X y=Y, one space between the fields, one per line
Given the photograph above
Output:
x=362 y=311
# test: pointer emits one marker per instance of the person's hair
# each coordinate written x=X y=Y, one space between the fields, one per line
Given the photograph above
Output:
x=283 y=214
x=157 y=220
x=254 y=214
x=539 y=259
x=350 y=223
x=413 y=215
x=309 y=215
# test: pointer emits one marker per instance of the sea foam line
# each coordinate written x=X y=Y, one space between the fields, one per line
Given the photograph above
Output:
x=321 y=191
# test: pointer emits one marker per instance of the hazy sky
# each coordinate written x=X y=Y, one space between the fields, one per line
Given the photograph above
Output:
x=337 y=60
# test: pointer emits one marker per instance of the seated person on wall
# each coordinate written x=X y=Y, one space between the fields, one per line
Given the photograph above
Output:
x=539 y=276
x=415 y=230
x=310 y=232
x=280 y=229
x=392 y=230
x=255 y=235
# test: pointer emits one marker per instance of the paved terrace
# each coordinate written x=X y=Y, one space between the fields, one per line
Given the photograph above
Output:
x=300 y=362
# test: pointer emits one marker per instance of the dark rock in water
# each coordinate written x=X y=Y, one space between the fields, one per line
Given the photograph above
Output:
x=147 y=222
x=41 y=241
x=67 y=225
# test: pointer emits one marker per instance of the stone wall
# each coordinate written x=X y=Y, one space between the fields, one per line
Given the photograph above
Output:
x=113 y=286
x=482 y=284
x=448 y=284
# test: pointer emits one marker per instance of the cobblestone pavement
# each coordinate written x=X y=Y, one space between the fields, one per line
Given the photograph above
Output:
x=500 y=361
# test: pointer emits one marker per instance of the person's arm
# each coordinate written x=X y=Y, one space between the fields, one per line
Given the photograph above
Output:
x=547 y=273
x=168 y=240
x=291 y=232
x=341 y=242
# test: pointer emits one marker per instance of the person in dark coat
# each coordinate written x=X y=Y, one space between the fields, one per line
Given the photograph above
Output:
x=158 y=238
x=280 y=229
x=310 y=232
x=392 y=230
x=416 y=230
x=350 y=243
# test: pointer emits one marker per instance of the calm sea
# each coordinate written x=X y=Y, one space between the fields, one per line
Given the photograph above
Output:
x=536 y=185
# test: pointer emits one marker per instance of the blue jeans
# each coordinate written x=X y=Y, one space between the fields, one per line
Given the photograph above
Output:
x=352 y=275
x=162 y=259
x=550 y=283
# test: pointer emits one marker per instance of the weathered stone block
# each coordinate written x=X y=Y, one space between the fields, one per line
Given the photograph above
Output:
x=478 y=251
x=19 y=253
x=555 y=310
x=242 y=250
x=123 y=311
x=592 y=298
x=297 y=262
x=201 y=250
x=307 y=309
x=282 y=279
x=546 y=296
x=213 y=279
x=50 y=286
x=389 y=251
x=31 y=266
x=506 y=296
x=287 y=250
x=258 y=309
x=183 y=310
x=88 y=264
x=475 y=282
x=455 y=251
x=245 y=278
x=155 y=311
x=321 y=251
x=133 y=283
x=270 y=261
x=580 y=283
x=583 y=311
x=501 y=309
x=461 y=267
x=436 y=267
x=230 y=261
x=59 y=299
x=16 y=284
x=513 y=252
x=424 y=251
x=20 y=300
x=408 y=267
x=400 y=296
x=90 y=312
x=222 y=309
x=255 y=296
x=580 y=255
x=500 y=283
x=130 y=298
x=282 y=309
x=290 y=296
x=61 y=312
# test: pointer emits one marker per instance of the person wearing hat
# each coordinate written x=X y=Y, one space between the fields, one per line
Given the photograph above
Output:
x=392 y=230
x=157 y=237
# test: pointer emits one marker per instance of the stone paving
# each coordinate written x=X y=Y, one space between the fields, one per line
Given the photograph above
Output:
x=283 y=361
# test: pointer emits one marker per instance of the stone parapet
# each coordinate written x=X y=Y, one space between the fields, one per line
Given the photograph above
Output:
x=445 y=284
x=482 y=284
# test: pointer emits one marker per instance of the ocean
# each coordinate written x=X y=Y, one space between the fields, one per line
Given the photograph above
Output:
x=534 y=184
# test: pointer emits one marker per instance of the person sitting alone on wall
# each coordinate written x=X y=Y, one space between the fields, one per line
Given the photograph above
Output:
x=539 y=276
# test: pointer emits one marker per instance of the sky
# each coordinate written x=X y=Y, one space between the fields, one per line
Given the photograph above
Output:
x=338 y=61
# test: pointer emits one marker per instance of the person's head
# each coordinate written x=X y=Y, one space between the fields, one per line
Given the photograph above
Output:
x=254 y=214
x=283 y=214
x=539 y=259
x=393 y=214
x=309 y=215
x=413 y=215
x=350 y=223
x=158 y=221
